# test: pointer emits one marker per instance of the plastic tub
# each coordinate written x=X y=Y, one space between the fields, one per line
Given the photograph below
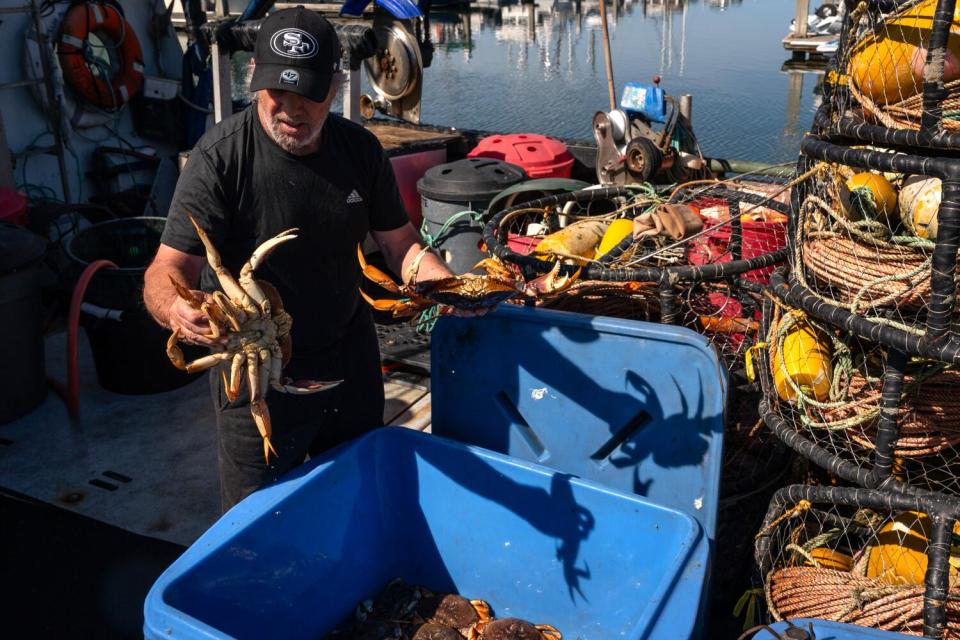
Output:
x=293 y=560
x=540 y=156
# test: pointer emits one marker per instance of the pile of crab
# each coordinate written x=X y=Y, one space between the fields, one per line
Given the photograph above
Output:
x=408 y=612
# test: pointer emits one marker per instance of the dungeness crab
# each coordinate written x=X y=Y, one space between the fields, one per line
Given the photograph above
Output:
x=250 y=315
x=467 y=292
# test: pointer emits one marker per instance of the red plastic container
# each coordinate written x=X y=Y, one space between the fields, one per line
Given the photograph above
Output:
x=409 y=168
x=13 y=206
x=758 y=237
x=540 y=156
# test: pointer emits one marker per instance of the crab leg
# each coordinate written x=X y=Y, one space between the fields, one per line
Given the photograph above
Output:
x=205 y=362
x=375 y=275
x=233 y=315
x=250 y=285
x=258 y=405
x=548 y=632
x=230 y=286
x=174 y=352
x=232 y=390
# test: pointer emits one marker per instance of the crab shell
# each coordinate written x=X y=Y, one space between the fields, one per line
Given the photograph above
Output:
x=516 y=629
x=434 y=631
x=452 y=610
x=468 y=293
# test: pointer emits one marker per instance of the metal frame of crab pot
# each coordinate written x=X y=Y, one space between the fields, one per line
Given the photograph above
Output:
x=666 y=277
x=929 y=134
x=943 y=514
x=881 y=475
x=938 y=341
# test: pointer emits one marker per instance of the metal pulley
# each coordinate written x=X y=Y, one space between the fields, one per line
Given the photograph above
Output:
x=626 y=151
x=395 y=71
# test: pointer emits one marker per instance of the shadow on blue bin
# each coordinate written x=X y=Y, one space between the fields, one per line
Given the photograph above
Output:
x=827 y=630
x=635 y=406
x=294 y=559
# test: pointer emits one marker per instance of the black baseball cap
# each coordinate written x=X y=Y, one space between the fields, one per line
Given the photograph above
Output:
x=297 y=50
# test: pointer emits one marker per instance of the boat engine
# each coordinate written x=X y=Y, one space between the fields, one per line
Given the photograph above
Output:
x=630 y=150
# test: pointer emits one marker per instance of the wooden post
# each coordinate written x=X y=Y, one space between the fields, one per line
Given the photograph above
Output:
x=222 y=89
x=351 y=97
x=803 y=9
x=606 y=54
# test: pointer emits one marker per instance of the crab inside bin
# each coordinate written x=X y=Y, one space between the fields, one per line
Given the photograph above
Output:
x=295 y=559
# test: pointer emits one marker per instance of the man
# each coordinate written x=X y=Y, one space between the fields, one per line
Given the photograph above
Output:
x=286 y=162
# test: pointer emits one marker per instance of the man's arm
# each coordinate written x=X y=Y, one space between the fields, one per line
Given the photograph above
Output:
x=162 y=301
x=400 y=248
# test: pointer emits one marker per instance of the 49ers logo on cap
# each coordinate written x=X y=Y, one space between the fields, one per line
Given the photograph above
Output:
x=294 y=43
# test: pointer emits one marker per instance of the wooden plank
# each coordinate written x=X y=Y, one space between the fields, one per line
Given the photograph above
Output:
x=398 y=398
x=808 y=44
x=392 y=137
x=417 y=416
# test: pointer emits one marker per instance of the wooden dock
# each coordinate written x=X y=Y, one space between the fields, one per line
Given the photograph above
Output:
x=800 y=44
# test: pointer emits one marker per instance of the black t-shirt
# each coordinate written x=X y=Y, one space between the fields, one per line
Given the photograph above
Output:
x=243 y=189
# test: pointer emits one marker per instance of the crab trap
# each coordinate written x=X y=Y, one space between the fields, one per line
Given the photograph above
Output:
x=294 y=559
x=868 y=413
x=695 y=257
x=873 y=245
x=863 y=557
x=895 y=79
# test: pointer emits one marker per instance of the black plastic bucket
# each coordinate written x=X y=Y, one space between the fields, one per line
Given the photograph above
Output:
x=129 y=353
x=465 y=185
x=23 y=383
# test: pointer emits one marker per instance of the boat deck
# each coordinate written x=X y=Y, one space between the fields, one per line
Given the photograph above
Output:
x=144 y=463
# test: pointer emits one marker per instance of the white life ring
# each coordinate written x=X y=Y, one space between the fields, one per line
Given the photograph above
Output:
x=77 y=114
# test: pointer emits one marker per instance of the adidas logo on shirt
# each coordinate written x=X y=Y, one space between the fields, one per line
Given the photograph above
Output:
x=354 y=198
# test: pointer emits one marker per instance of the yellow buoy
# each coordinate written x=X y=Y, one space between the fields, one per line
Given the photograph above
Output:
x=829 y=559
x=869 y=195
x=882 y=65
x=900 y=555
x=577 y=241
x=919 y=203
x=614 y=235
x=806 y=358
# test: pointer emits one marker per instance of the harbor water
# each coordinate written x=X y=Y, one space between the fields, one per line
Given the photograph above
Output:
x=540 y=68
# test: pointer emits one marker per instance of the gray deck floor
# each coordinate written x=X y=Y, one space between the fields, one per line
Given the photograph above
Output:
x=165 y=444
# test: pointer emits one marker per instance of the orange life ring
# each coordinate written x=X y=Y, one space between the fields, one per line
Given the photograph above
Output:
x=79 y=22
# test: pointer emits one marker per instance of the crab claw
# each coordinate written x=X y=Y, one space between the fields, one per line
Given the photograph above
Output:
x=304 y=387
x=551 y=282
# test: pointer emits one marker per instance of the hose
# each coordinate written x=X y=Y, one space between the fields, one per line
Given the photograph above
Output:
x=73 y=328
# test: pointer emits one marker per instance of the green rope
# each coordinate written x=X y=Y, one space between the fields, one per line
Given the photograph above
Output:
x=432 y=241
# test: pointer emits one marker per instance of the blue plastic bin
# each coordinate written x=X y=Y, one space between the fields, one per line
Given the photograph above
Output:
x=294 y=559
x=825 y=630
x=632 y=405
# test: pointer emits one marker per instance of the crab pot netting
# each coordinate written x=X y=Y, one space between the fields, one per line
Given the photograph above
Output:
x=897 y=71
x=861 y=557
x=874 y=235
x=869 y=413
x=709 y=281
